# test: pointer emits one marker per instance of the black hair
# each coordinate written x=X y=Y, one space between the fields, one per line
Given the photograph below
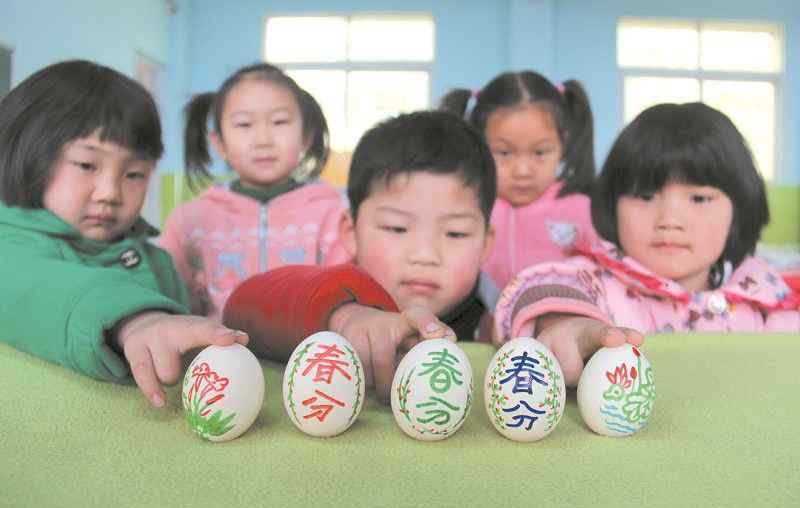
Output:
x=63 y=102
x=568 y=105
x=691 y=143
x=431 y=141
x=197 y=156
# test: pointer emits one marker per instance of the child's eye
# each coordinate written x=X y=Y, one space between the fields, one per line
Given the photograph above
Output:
x=644 y=196
x=457 y=234
x=394 y=229
x=502 y=153
x=85 y=166
x=135 y=175
x=242 y=125
x=701 y=198
x=282 y=121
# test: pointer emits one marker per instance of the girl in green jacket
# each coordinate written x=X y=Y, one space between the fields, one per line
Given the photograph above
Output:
x=81 y=286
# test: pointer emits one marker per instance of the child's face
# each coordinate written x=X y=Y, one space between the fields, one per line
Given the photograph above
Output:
x=678 y=232
x=262 y=132
x=526 y=149
x=98 y=187
x=423 y=237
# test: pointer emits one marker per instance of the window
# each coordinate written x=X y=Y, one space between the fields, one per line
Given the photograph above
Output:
x=734 y=67
x=5 y=70
x=361 y=68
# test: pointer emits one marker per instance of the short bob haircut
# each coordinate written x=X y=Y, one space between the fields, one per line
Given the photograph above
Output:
x=435 y=142
x=63 y=102
x=691 y=143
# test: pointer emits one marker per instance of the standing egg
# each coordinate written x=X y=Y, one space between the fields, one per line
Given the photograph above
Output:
x=432 y=390
x=223 y=391
x=524 y=390
x=616 y=391
x=323 y=385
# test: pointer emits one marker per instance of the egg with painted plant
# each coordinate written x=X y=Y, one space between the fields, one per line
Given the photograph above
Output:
x=223 y=392
x=432 y=390
x=616 y=391
x=524 y=390
x=323 y=385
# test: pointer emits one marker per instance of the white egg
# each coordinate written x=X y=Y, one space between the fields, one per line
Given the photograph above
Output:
x=432 y=390
x=616 y=391
x=524 y=390
x=323 y=385
x=223 y=391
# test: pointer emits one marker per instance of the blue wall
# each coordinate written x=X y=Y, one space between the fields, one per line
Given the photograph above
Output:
x=475 y=39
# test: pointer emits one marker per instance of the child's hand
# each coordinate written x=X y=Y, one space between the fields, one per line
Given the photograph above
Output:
x=153 y=343
x=573 y=339
x=382 y=338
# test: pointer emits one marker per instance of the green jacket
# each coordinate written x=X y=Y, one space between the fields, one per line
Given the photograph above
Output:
x=60 y=292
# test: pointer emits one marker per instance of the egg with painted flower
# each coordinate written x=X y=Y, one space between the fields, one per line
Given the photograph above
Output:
x=323 y=385
x=432 y=390
x=524 y=390
x=223 y=392
x=616 y=391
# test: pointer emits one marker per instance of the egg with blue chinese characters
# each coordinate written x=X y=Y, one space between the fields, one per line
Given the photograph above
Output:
x=524 y=390
x=432 y=390
x=323 y=385
x=616 y=391
x=223 y=392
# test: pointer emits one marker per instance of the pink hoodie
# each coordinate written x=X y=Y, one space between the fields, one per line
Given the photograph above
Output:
x=545 y=230
x=221 y=238
x=606 y=285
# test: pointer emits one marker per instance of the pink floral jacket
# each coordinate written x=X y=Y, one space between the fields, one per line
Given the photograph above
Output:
x=604 y=284
x=546 y=230
x=221 y=238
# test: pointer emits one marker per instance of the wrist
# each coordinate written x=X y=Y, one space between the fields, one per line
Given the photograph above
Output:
x=340 y=315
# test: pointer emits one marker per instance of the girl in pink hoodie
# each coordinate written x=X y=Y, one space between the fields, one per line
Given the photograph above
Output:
x=273 y=134
x=681 y=207
x=541 y=136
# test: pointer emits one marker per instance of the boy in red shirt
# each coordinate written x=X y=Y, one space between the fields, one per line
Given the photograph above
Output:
x=421 y=188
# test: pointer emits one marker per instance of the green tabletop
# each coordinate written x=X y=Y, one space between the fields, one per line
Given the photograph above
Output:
x=725 y=431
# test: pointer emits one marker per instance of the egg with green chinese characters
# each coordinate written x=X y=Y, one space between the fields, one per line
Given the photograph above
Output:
x=432 y=390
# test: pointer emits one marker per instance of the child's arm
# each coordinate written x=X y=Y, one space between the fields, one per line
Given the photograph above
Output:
x=153 y=343
x=281 y=307
x=563 y=306
x=381 y=338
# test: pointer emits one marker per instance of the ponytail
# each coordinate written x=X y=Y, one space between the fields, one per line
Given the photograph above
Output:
x=579 y=164
x=456 y=101
x=315 y=127
x=196 y=154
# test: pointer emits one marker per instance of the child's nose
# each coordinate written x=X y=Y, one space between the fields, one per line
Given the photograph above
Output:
x=424 y=250
x=263 y=135
x=108 y=189
x=670 y=214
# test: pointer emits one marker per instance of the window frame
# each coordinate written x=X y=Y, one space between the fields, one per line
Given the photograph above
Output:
x=776 y=77
x=347 y=65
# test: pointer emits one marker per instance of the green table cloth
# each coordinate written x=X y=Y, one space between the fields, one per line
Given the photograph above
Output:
x=725 y=431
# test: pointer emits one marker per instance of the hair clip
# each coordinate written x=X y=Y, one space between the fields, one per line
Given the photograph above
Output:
x=560 y=88
x=475 y=93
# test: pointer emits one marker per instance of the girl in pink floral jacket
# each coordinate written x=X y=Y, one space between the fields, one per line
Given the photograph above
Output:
x=273 y=135
x=682 y=207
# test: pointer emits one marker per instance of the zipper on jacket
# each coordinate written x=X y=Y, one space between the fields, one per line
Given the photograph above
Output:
x=262 y=237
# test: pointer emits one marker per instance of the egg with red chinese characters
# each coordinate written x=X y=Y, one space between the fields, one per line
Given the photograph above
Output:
x=223 y=391
x=616 y=391
x=524 y=390
x=432 y=390
x=323 y=385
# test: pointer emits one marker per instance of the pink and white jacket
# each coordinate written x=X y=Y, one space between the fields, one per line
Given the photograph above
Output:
x=546 y=230
x=604 y=284
x=221 y=238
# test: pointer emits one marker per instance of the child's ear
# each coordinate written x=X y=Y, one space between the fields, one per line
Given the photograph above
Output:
x=488 y=244
x=219 y=146
x=347 y=234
